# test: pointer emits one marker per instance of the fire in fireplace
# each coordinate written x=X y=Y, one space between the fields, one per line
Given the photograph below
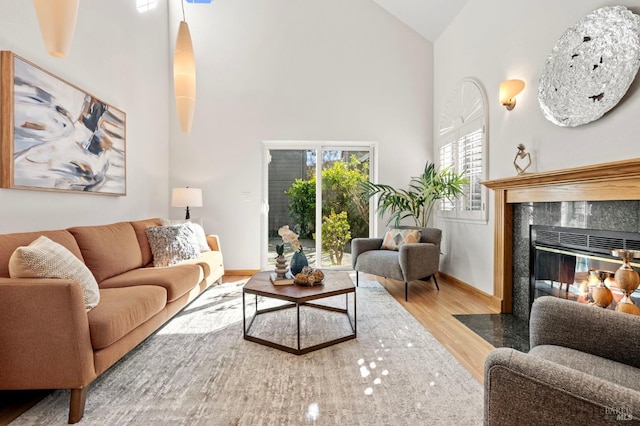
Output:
x=564 y=262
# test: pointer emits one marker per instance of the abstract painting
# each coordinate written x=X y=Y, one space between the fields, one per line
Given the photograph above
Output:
x=57 y=137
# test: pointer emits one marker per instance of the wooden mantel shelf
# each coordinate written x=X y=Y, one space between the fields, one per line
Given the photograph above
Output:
x=619 y=180
x=594 y=172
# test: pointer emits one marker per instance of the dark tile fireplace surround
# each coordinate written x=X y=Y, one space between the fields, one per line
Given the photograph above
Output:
x=511 y=329
x=617 y=216
x=598 y=197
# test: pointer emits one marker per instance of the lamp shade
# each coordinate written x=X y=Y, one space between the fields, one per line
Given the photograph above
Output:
x=184 y=77
x=186 y=197
x=57 y=20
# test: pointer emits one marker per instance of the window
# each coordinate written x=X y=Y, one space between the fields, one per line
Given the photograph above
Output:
x=462 y=146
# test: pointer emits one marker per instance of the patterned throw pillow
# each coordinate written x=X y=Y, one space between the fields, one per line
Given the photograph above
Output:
x=395 y=238
x=172 y=244
x=44 y=258
x=197 y=228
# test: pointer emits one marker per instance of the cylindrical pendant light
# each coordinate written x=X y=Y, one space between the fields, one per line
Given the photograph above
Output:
x=184 y=77
x=57 y=20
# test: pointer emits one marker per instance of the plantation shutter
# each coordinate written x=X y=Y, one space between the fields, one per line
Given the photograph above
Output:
x=462 y=147
x=446 y=160
x=470 y=160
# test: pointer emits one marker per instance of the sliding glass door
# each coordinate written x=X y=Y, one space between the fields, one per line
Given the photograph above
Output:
x=313 y=189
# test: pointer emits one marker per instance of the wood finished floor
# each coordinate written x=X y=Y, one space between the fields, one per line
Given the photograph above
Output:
x=433 y=309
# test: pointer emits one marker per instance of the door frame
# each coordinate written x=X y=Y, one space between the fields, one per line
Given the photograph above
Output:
x=318 y=146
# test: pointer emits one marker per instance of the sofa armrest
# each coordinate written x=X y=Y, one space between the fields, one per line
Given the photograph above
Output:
x=585 y=328
x=44 y=335
x=521 y=388
x=360 y=245
x=419 y=260
x=214 y=242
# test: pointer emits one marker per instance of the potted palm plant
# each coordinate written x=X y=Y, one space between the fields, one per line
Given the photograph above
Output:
x=418 y=201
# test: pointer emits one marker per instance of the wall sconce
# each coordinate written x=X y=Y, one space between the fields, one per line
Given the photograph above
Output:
x=186 y=197
x=184 y=76
x=508 y=91
x=57 y=19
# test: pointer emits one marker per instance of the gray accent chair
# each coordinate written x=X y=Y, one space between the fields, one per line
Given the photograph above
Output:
x=583 y=369
x=412 y=262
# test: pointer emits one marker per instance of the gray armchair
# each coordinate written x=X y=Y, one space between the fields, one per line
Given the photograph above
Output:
x=412 y=262
x=583 y=368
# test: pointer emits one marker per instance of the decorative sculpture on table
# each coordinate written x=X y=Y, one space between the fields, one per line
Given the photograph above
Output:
x=522 y=154
x=298 y=260
x=591 y=67
x=281 y=262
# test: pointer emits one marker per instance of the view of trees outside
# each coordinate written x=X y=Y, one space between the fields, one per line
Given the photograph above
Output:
x=345 y=214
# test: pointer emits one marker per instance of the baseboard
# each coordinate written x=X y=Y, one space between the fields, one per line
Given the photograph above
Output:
x=238 y=272
x=494 y=302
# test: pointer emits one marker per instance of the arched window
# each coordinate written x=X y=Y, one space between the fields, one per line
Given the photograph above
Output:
x=463 y=146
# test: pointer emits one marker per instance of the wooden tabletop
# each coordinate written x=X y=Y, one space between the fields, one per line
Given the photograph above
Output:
x=334 y=283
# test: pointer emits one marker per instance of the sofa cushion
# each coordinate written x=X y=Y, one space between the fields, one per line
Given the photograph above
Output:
x=211 y=264
x=140 y=228
x=44 y=258
x=108 y=250
x=395 y=238
x=618 y=373
x=10 y=242
x=177 y=280
x=172 y=244
x=121 y=310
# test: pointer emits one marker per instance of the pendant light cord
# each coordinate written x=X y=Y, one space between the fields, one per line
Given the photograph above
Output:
x=183 y=18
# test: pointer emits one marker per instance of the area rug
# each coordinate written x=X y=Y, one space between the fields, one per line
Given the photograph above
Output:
x=198 y=370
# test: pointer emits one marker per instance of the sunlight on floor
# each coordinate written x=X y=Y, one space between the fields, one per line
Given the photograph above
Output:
x=313 y=412
x=222 y=301
x=366 y=369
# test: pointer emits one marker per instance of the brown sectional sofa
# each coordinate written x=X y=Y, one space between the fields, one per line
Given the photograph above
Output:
x=49 y=341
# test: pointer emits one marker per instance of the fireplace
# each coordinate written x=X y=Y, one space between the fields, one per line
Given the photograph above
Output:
x=564 y=261
x=610 y=183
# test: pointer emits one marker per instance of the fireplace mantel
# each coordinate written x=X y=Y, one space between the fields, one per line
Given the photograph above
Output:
x=618 y=180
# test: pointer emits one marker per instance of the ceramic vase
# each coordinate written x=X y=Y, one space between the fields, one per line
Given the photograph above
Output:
x=602 y=295
x=627 y=279
x=298 y=261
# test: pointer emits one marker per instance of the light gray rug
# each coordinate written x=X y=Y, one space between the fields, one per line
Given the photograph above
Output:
x=198 y=370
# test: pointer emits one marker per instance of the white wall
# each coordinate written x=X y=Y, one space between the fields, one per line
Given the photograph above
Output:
x=494 y=40
x=121 y=57
x=295 y=70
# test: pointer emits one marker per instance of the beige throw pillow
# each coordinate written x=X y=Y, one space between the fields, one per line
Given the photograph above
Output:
x=395 y=238
x=44 y=258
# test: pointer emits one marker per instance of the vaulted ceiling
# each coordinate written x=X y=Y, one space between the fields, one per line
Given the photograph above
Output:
x=427 y=17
